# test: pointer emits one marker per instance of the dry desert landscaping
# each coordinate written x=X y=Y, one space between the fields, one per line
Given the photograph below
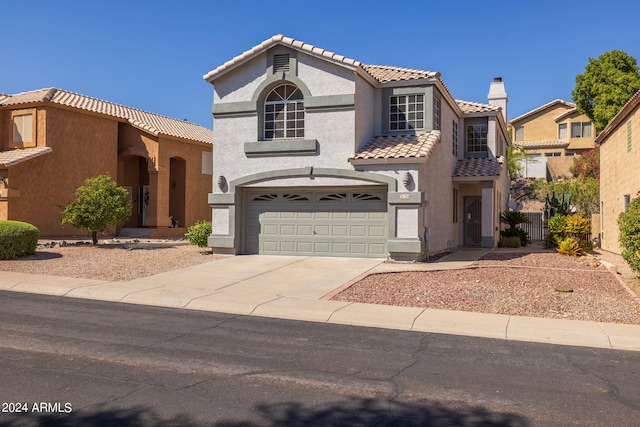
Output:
x=539 y=284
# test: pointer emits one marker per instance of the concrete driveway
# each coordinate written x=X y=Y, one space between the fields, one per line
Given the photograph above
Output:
x=237 y=284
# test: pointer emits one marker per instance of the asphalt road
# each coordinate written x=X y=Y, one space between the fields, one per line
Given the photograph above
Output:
x=72 y=362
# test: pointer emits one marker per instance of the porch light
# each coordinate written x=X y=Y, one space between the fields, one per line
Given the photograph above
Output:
x=407 y=179
x=222 y=182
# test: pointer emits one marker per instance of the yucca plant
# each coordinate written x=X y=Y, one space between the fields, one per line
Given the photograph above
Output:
x=568 y=246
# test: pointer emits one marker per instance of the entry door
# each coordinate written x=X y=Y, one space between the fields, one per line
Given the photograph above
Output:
x=472 y=221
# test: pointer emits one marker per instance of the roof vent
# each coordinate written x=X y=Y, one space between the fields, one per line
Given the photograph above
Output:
x=280 y=63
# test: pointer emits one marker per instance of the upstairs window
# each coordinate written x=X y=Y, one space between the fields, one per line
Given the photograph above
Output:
x=581 y=130
x=23 y=128
x=629 y=137
x=562 y=131
x=406 y=112
x=436 y=113
x=477 y=138
x=284 y=113
x=454 y=138
x=519 y=133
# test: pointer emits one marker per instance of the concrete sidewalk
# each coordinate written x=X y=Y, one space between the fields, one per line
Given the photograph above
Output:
x=293 y=287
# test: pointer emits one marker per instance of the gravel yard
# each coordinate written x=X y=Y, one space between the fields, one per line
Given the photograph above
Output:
x=525 y=284
x=536 y=284
x=113 y=261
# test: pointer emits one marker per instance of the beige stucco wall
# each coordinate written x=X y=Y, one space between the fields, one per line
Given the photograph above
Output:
x=618 y=176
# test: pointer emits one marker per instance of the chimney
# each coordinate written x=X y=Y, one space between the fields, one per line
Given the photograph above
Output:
x=498 y=96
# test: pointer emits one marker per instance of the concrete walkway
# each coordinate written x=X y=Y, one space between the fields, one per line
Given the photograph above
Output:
x=293 y=287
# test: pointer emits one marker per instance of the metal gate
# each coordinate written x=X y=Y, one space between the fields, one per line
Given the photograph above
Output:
x=535 y=227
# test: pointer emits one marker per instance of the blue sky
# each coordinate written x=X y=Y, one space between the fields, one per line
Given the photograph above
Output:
x=152 y=54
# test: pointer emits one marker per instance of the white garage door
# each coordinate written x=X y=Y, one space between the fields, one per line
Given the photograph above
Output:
x=324 y=223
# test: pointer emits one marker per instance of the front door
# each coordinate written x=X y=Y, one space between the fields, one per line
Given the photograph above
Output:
x=472 y=221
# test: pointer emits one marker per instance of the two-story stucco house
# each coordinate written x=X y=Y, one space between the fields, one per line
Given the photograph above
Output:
x=319 y=154
x=550 y=136
x=619 y=179
x=52 y=140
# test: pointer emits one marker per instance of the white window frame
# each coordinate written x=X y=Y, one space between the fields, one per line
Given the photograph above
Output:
x=562 y=131
x=286 y=114
x=406 y=112
x=454 y=137
x=437 y=106
x=581 y=127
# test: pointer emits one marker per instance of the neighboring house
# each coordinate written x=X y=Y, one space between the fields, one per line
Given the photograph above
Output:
x=619 y=162
x=318 y=154
x=550 y=136
x=52 y=140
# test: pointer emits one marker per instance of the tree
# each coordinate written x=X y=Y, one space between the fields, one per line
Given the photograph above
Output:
x=585 y=193
x=606 y=85
x=98 y=204
x=514 y=162
x=587 y=165
x=629 y=223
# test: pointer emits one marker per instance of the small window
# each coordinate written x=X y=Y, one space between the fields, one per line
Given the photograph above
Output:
x=333 y=197
x=265 y=198
x=23 y=128
x=366 y=197
x=562 y=131
x=625 y=202
x=477 y=138
x=629 y=136
x=294 y=198
x=436 y=113
x=454 y=138
x=406 y=112
x=519 y=133
x=581 y=130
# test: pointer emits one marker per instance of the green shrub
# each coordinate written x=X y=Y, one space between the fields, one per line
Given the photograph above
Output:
x=510 y=242
x=516 y=232
x=569 y=246
x=557 y=224
x=17 y=239
x=629 y=223
x=199 y=233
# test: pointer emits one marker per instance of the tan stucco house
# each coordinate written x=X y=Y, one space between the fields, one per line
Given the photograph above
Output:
x=320 y=154
x=619 y=163
x=550 y=136
x=52 y=140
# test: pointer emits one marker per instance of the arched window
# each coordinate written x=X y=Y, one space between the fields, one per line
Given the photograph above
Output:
x=284 y=113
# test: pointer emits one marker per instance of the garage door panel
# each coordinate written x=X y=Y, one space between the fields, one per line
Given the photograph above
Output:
x=340 y=226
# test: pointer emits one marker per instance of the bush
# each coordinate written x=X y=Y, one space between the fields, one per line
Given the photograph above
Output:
x=629 y=223
x=199 y=233
x=17 y=239
x=510 y=242
x=516 y=232
x=575 y=227
x=569 y=246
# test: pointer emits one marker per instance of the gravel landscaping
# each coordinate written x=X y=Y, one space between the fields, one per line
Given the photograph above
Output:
x=540 y=284
x=525 y=284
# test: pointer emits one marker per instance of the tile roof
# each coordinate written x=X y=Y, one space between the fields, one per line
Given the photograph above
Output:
x=381 y=73
x=150 y=122
x=543 y=107
x=385 y=74
x=469 y=107
x=12 y=157
x=399 y=147
x=473 y=167
x=541 y=144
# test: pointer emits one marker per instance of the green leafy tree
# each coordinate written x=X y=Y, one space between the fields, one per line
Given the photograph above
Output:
x=514 y=162
x=585 y=193
x=629 y=223
x=99 y=204
x=605 y=86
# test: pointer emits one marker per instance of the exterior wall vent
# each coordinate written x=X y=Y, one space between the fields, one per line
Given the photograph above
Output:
x=280 y=63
